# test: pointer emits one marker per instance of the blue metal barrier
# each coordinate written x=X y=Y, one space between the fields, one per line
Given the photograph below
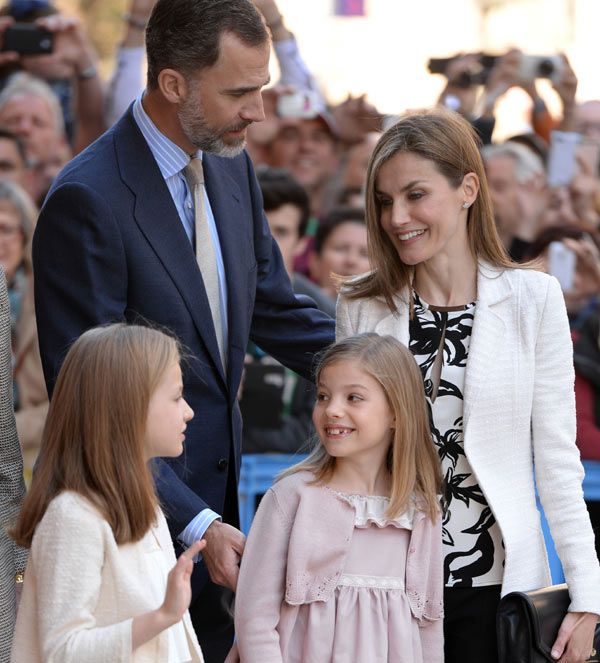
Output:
x=259 y=471
x=256 y=477
x=591 y=491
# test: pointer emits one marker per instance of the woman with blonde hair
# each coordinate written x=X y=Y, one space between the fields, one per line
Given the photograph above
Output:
x=102 y=582
x=492 y=341
x=343 y=561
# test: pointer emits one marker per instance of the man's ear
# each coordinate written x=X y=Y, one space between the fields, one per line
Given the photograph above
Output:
x=173 y=86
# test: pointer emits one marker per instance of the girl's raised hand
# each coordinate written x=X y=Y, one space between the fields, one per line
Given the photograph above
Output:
x=179 y=592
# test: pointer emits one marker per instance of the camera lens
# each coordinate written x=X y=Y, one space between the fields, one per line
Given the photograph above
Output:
x=545 y=68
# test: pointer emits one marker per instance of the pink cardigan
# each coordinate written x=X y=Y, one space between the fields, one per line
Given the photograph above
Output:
x=296 y=551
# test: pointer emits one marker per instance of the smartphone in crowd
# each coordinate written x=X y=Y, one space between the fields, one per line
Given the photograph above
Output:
x=561 y=264
x=562 y=157
x=28 y=39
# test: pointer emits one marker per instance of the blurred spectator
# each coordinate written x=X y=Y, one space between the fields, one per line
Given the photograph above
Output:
x=476 y=82
x=581 y=286
x=340 y=248
x=13 y=160
x=587 y=398
x=276 y=403
x=309 y=150
x=587 y=119
x=17 y=220
x=351 y=178
x=70 y=69
x=287 y=209
x=519 y=193
x=30 y=109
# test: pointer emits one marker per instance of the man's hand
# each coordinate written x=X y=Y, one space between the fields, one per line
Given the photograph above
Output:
x=503 y=75
x=566 y=87
x=355 y=118
x=575 y=638
x=223 y=552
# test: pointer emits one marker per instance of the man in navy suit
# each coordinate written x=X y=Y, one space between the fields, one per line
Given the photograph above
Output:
x=115 y=241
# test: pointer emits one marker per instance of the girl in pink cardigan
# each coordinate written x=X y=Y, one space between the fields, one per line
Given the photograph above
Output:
x=102 y=583
x=344 y=559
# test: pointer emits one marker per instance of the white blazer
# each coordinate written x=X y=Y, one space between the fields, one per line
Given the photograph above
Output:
x=519 y=406
x=82 y=590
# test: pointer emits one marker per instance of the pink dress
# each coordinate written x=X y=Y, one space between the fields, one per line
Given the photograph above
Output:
x=368 y=619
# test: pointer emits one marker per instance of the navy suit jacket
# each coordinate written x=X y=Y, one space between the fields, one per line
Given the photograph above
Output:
x=110 y=246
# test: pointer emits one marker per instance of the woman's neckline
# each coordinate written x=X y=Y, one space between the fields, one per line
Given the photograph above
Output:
x=419 y=301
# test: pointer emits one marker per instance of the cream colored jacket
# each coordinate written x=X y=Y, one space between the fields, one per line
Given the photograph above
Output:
x=519 y=407
x=82 y=590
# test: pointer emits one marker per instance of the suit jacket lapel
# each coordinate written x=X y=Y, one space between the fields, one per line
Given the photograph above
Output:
x=492 y=314
x=157 y=217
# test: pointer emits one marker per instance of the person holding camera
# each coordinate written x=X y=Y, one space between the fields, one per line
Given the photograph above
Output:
x=494 y=348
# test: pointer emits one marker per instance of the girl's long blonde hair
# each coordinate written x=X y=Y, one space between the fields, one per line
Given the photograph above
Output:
x=452 y=145
x=412 y=461
x=93 y=441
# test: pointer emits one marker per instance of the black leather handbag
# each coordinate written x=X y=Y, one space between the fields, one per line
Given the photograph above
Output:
x=528 y=624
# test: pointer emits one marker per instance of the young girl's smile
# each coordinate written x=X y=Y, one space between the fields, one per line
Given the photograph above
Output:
x=352 y=416
x=168 y=414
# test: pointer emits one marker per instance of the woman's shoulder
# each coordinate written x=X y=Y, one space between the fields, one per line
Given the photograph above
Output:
x=375 y=306
x=530 y=282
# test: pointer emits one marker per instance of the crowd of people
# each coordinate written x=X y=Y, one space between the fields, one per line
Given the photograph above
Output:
x=207 y=255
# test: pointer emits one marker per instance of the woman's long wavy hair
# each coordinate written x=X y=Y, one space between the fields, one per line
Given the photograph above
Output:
x=452 y=145
x=412 y=461
x=93 y=441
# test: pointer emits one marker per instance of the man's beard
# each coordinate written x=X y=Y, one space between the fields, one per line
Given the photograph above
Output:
x=202 y=136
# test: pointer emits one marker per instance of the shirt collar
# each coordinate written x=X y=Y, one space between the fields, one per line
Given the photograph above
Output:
x=170 y=158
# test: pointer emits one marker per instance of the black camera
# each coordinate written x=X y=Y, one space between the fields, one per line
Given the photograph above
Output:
x=465 y=79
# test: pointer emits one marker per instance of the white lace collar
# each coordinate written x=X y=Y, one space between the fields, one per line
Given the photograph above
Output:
x=370 y=510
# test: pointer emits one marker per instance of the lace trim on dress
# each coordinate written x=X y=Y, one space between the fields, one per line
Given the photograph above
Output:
x=370 y=510
x=371 y=582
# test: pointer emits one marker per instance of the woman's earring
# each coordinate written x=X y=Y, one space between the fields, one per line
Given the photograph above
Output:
x=466 y=205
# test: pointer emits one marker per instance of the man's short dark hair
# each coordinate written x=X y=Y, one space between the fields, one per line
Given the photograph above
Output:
x=185 y=34
x=279 y=188
x=335 y=218
x=7 y=134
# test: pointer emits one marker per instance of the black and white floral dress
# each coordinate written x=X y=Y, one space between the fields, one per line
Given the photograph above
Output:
x=473 y=549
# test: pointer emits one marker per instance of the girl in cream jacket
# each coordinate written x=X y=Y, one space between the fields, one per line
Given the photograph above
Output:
x=102 y=583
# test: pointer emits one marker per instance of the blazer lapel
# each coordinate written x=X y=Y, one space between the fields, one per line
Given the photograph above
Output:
x=396 y=323
x=157 y=217
x=492 y=315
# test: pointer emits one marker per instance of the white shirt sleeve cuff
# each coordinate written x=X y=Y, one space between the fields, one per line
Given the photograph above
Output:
x=196 y=529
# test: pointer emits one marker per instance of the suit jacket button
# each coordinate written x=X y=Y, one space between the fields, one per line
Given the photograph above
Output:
x=222 y=464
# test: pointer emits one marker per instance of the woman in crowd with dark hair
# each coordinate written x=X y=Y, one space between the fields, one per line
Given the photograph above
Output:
x=493 y=344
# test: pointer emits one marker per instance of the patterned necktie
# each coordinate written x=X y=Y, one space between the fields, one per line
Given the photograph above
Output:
x=205 y=250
